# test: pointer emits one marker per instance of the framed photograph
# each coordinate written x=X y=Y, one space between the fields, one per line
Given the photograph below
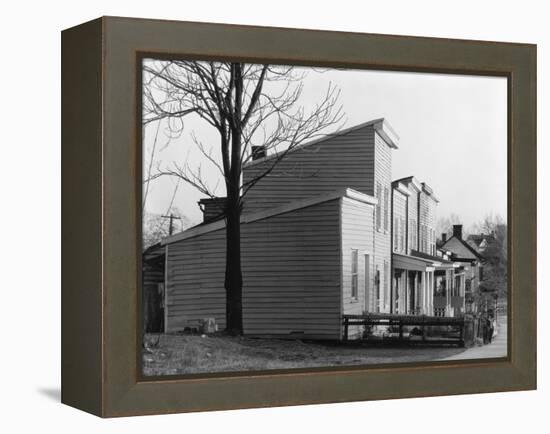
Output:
x=258 y=216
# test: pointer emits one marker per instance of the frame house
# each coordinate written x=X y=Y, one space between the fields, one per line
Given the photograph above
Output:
x=426 y=280
x=413 y=264
x=315 y=241
x=468 y=276
x=153 y=277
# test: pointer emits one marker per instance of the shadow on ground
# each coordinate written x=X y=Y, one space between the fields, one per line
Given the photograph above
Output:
x=52 y=393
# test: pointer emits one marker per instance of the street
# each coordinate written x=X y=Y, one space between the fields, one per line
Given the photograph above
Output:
x=497 y=348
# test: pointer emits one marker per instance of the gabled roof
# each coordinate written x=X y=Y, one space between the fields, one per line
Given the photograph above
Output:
x=292 y=206
x=401 y=187
x=479 y=238
x=465 y=244
x=380 y=125
x=410 y=181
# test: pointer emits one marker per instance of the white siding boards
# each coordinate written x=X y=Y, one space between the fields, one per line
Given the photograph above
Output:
x=399 y=222
x=357 y=236
x=382 y=234
x=315 y=242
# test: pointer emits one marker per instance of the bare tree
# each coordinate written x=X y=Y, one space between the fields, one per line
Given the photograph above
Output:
x=156 y=226
x=444 y=225
x=232 y=98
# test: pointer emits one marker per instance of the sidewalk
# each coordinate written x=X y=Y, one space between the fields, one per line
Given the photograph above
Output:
x=497 y=348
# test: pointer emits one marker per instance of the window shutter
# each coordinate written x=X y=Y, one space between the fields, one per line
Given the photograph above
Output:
x=378 y=206
x=386 y=208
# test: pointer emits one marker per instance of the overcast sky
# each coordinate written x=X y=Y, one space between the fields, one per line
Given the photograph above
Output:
x=452 y=131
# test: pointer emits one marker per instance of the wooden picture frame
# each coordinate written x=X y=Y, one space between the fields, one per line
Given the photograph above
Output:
x=101 y=222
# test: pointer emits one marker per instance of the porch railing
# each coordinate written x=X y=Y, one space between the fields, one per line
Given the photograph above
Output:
x=401 y=321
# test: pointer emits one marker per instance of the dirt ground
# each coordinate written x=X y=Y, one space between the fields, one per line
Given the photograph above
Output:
x=192 y=354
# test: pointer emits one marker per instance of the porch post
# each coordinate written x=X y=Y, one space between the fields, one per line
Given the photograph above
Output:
x=424 y=298
x=430 y=293
x=448 y=291
x=419 y=299
x=406 y=292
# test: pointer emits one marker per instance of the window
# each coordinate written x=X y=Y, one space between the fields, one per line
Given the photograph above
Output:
x=413 y=234
x=424 y=236
x=386 y=208
x=440 y=286
x=402 y=235
x=354 y=259
x=395 y=233
x=378 y=206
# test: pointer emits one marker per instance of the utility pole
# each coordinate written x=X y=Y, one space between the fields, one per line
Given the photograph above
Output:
x=172 y=217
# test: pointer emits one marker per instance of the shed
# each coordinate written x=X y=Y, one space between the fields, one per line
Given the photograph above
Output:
x=153 y=288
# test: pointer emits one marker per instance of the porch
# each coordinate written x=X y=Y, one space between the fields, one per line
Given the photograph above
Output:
x=412 y=285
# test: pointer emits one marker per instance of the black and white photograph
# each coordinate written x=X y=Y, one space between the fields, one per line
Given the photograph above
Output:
x=305 y=217
x=284 y=217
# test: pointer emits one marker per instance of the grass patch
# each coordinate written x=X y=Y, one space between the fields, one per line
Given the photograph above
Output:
x=193 y=354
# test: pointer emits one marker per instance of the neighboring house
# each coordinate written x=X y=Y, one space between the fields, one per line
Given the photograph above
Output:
x=426 y=281
x=414 y=260
x=153 y=278
x=484 y=244
x=468 y=275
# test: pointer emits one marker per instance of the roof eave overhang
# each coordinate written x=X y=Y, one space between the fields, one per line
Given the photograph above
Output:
x=385 y=130
x=249 y=218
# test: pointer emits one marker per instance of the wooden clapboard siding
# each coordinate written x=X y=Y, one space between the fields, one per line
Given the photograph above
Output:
x=382 y=237
x=291 y=275
x=344 y=161
x=357 y=222
x=152 y=290
x=426 y=218
x=195 y=281
x=413 y=219
x=153 y=266
x=399 y=218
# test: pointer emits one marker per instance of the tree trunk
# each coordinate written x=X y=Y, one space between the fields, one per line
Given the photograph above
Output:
x=233 y=274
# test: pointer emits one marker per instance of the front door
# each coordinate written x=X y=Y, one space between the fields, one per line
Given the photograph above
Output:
x=412 y=293
x=377 y=290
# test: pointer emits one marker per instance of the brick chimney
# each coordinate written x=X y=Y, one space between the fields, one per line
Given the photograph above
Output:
x=444 y=237
x=457 y=231
x=212 y=209
x=258 y=152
